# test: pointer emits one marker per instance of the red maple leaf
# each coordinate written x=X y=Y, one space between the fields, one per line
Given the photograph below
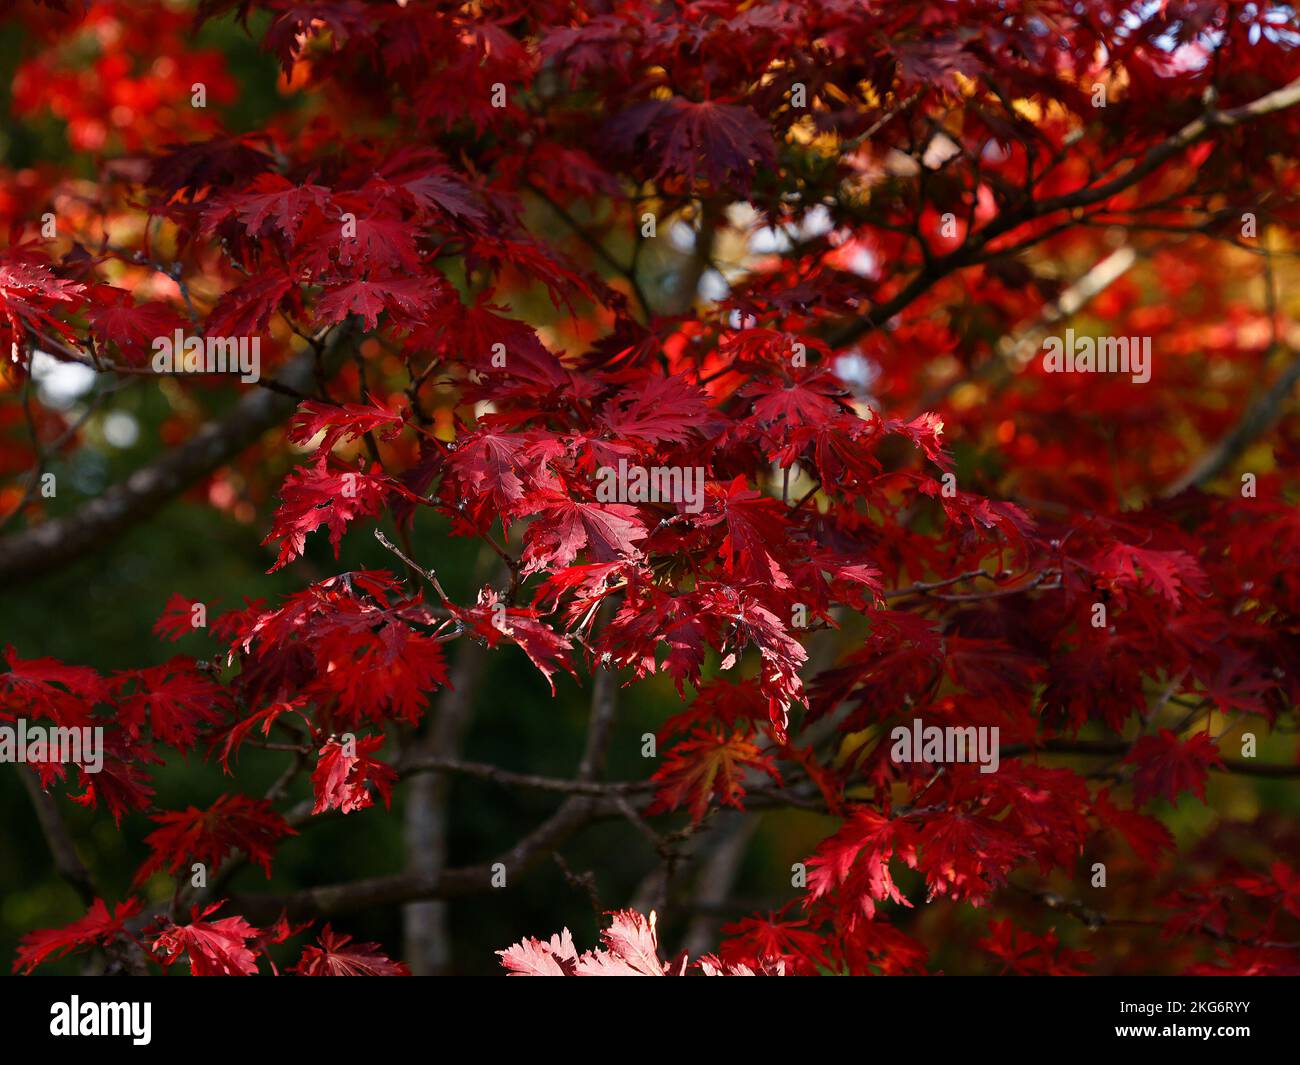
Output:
x=270 y=204
x=341 y=421
x=782 y=658
x=1148 y=837
x=1281 y=885
x=117 y=320
x=264 y=718
x=246 y=309
x=966 y=856
x=758 y=941
x=175 y=701
x=489 y=469
x=45 y=687
x=314 y=495
x=177 y=618
x=492 y=620
x=565 y=526
x=1168 y=573
x=924 y=431
x=645 y=623
x=121 y=783
x=854 y=862
x=232 y=823
x=434 y=186
x=407 y=299
x=660 y=409
x=756 y=525
x=719 y=702
x=708 y=766
x=213 y=948
x=97 y=928
x=482 y=339
x=184 y=169
x=720 y=142
x=296 y=24
x=337 y=955
x=30 y=295
x=1167 y=766
x=1027 y=954
x=386 y=673
x=813 y=400
x=345 y=774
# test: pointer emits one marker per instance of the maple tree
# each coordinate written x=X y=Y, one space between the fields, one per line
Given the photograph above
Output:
x=811 y=251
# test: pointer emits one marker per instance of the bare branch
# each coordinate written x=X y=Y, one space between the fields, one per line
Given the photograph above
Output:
x=717 y=877
x=1255 y=421
x=575 y=813
x=66 y=859
x=425 y=930
x=508 y=779
x=1105 y=748
x=604 y=704
x=429 y=575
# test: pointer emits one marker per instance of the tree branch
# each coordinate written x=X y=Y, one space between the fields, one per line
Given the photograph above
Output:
x=508 y=779
x=66 y=859
x=1105 y=748
x=600 y=723
x=43 y=548
x=1255 y=421
x=974 y=248
x=425 y=931
x=574 y=814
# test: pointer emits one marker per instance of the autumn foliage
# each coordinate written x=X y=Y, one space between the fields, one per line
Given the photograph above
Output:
x=811 y=250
